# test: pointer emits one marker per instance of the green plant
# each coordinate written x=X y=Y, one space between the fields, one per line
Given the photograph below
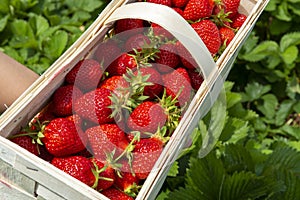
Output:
x=36 y=32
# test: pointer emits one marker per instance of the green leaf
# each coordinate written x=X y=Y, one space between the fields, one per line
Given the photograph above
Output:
x=268 y=105
x=293 y=87
x=254 y=91
x=262 y=51
x=216 y=124
x=86 y=5
x=174 y=169
x=23 y=35
x=291 y=131
x=3 y=22
x=237 y=158
x=57 y=44
x=288 y=40
x=283 y=13
x=290 y=54
x=4 y=6
x=39 y=24
x=284 y=110
x=235 y=130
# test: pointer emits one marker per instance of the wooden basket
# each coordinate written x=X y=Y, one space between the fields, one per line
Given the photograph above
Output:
x=25 y=176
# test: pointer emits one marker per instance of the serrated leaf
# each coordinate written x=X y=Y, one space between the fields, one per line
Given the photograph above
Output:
x=174 y=169
x=57 y=44
x=237 y=158
x=291 y=131
x=23 y=35
x=254 y=91
x=86 y=5
x=283 y=12
x=290 y=54
x=3 y=22
x=218 y=115
x=262 y=51
x=289 y=39
x=237 y=129
x=268 y=105
x=283 y=111
x=39 y=24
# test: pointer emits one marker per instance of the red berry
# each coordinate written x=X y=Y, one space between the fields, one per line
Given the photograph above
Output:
x=85 y=75
x=238 y=20
x=227 y=34
x=167 y=58
x=121 y=65
x=197 y=9
x=162 y=2
x=115 y=194
x=26 y=142
x=210 y=35
x=63 y=99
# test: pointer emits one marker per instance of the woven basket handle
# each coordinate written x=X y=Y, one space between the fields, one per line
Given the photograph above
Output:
x=170 y=20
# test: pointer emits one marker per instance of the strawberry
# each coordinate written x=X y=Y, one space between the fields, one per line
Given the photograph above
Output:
x=167 y=58
x=129 y=27
x=162 y=2
x=179 y=3
x=210 y=35
x=77 y=166
x=115 y=194
x=128 y=183
x=106 y=138
x=93 y=106
x=231 y=6
x=147 y=117
x=63 y=99
x=197 y=9
x=185 y=57
x=196 y=78
x=106 y=52
x=117 y=84
x=26 y=142
x=122 y=64
x=178 y=85
x=85 y=75
x=238 y=20
x=136 y=42
x=227 y=34
x=178 y=10
x=145 y=154
x=62 y=137
x=161 y=32
x=155 y=78
x=105 y=175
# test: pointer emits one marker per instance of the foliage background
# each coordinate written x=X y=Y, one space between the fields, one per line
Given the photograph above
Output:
x=257 y=155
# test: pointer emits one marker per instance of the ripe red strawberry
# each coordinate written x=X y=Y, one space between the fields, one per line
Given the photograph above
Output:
x=178 y=10
x=85 y=75
x=179 y=3
x=63 y=99
x=117 y=84
x=26 y=142
x=62 y=137
x=197 y=9
x=77 y=166
x=122 y=64
x=210 y=35
x=115 y=194
x=185 y=57
x=106 y=52
x=178 y=84
x=161 y=32
x=231 y=6
x=145 y=154
x=196 y=78
x=131 y=26
x=105 y=175
x=227 y=34
x=167 y=58
x=93 y=106
x=162 y=2
x=147 y=117
x=155 y=78
x=136 y=42
x=106 y=138
x=238 y=20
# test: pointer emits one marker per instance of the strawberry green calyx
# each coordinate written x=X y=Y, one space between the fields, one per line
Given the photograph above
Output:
x=172 y=111
x=132 y=95
x=161 y=134
x=96 y=171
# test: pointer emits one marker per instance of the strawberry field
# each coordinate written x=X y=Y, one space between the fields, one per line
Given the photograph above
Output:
x=257 y=151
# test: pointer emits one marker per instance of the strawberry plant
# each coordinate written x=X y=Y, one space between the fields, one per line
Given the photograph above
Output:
x=36 y=32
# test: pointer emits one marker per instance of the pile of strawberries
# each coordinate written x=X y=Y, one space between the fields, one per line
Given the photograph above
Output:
x=109 y=122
